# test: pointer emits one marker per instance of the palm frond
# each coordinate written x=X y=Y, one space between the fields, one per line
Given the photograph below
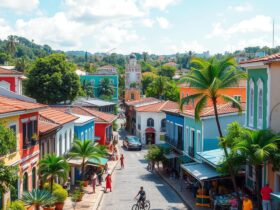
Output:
x=200 y=106
x=189 y=99
x=235 y=102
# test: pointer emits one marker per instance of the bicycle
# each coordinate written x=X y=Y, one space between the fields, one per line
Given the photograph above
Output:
x=142 y=206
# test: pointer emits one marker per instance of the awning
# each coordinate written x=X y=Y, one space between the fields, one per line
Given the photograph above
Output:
x=171 y=155
x=97 y=161
x=275 y=196
x=150 y=130
x=201 y=171
x=75 y=161
x=212 y=157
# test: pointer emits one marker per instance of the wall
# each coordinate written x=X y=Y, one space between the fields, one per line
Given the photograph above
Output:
x=11 y=80
x=83 y=129
x=100 y=131
x=67 y=128
x=97 y=80
x=128 y=93
x=157 y=116
x=175 y=119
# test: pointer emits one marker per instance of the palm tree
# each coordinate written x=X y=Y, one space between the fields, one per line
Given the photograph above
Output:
x=257 y=146
x=210 y=77
x=37 y=198
x=105 y=88
x=21 y=64
x=11 y=44
x=86 y=149
x=52 y=167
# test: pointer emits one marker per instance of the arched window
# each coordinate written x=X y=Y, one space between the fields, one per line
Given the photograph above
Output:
x=86 y=135
x=60 y=144
x=150 y=122
x=251 y=103
x=34 y=178
x=25 y=182
x=163 y=125
x=260 y=104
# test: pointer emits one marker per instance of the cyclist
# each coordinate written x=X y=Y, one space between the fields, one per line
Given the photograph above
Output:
x=142 y=196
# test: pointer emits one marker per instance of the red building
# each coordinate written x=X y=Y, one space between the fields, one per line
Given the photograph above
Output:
x=103 y=122
x=11 y=79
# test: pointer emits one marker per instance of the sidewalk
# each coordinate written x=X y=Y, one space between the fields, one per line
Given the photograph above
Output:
x=178 y=187
x=91 y=200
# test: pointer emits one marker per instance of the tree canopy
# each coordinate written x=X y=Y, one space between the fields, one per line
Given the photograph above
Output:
x=167 y=71
x=52 y=80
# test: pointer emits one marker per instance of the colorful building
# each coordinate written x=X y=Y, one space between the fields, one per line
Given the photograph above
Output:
x=263 y=108
x=96 y=79
x=22 y=118
x=11 y=79
x=84 y=127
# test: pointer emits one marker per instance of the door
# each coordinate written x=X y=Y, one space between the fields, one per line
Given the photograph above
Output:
x=150 y=138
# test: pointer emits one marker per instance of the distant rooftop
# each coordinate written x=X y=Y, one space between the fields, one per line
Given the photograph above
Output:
x=142 y=101
x=82 y=118
x=83 y=101
x=8 y=70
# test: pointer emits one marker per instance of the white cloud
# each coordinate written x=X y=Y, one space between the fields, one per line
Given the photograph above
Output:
x=242 y=8
x=19 y=5
x=163 y=22
x=5 y=29
x=259 y=23
x=248 y=42
x=147 y=22
x=159 y=4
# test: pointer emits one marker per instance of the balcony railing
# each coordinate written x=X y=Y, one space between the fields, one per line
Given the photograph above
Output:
x=191 y=151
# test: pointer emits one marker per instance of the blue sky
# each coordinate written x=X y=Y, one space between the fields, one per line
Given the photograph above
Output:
x=155 y=26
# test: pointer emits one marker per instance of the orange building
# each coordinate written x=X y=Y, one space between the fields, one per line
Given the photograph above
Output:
x=238 y=92
x=132 y=94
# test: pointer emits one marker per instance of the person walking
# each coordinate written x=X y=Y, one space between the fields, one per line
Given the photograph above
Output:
x=265 y=192
x=93 y=181
x=122 y=161
x=247 y=203
x=108 y=180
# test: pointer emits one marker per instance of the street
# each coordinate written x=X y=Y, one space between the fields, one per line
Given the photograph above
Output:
x=126 y=184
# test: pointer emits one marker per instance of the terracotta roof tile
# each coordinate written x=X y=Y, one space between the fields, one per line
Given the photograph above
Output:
x=45 y=126
x=158 y=107
x=268 y=58
x=142 y=101
x=208 y=111
x=56 y=116
x=9 y=71
x=14 y=105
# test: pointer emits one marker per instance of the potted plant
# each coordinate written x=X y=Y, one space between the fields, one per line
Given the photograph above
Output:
x=60 y=195
x=77 y=195
x=49 y=204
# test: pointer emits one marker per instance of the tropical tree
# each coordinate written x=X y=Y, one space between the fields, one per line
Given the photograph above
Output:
x=257 y=146
x=8 y=140
x=88 y=88
x=11 y=44
x=210 y=77
x=147 y=79
x=21 y=64
x=84 y=150
x=37 y=198
x=8 y=175
x=167 y=71
x=105 y=88
x=52 y=167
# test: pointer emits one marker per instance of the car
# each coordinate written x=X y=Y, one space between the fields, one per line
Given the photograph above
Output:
x=132 y=142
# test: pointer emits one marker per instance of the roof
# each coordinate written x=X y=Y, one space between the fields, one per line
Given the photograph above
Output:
x=107 y=67
x=212 y=157
x=83 y=101
x=170 y=64
x=158 y=107
x=45 y=126
x=142 y=101
x=268 y=58
x=100 y=117
x=83 y=119
x=8 y=105
x=209 y=111
x=9 y=71
x=56 y=116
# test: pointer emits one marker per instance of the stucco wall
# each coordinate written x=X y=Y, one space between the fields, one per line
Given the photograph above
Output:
x=191 y=124
x=66 y=143
x=143 y=117
x=274 y=97
x=81 y=131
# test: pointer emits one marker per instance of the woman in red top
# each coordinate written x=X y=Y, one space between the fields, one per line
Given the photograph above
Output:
x=108 y=183
x=122 y=161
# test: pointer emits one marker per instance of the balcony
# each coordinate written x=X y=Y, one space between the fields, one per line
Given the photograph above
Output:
x=191 y=151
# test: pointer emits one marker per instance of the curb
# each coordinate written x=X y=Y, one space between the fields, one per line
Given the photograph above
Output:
x=175 y=190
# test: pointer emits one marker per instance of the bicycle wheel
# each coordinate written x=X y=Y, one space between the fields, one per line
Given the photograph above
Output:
x=135 y=207
x=147 y=205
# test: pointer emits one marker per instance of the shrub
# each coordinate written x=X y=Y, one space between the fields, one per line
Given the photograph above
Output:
x=17 y=205
x=56 y=186
x=60 y=195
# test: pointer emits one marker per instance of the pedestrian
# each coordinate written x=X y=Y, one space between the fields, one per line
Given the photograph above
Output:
x=108 y=183
x=106 y=168
x=122 y=161
x=247 y=203
x=93 y=181
x=265 y=192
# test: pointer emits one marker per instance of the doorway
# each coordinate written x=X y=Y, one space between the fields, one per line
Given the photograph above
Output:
x=150 y=138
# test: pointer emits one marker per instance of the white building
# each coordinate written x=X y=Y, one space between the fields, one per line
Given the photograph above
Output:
x=132 y=72
x=151 y=122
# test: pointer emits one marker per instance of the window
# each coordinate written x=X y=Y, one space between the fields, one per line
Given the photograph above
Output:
x=132 y=96
x=150 y=122
x=260 y=104
x=251 y=103
x=180 y=137
x=198 y=142
x=70 y=136
x=25 y=182
x=60 y=144
x=163 y=125
x=30 y=128
x=86 y=135
x=237 y=98
x=186 y=139
x=34 y=178
x=82 y=136
x=66 y=140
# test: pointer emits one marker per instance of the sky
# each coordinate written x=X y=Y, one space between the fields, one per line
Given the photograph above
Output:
x=153 y=26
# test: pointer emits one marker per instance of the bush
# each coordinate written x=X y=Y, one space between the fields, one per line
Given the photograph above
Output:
x=17 y=205
x=60 y=195
x=47 y=186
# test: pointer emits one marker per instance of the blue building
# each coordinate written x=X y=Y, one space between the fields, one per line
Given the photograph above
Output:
x=84 y=127
x=199 y=136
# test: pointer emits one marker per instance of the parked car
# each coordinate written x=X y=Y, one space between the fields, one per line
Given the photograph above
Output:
x=132 y=142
